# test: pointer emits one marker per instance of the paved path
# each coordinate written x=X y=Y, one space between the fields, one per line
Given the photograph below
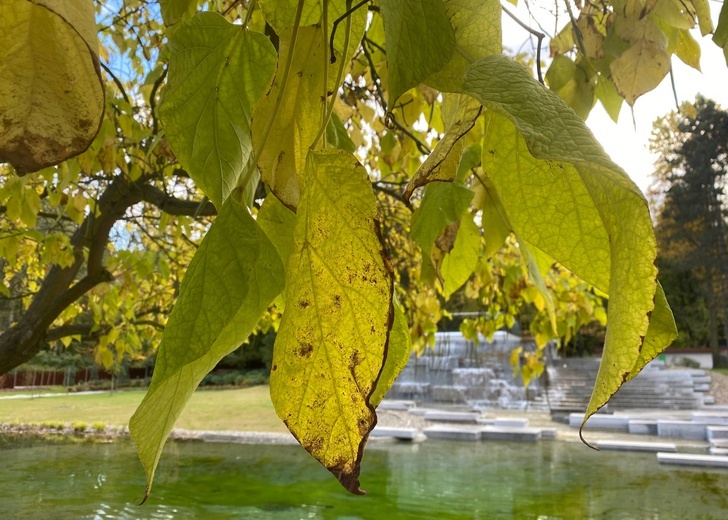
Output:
x=66 y=394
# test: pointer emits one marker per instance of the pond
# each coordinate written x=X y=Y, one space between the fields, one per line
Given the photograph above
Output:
x=438 y=480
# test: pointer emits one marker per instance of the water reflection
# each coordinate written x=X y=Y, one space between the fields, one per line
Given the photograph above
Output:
x=548 y=480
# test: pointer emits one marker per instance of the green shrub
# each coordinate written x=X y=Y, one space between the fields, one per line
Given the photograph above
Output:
x=99 y=426
x=79 y=426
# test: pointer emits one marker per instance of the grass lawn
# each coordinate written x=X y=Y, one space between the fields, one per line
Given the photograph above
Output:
x=245 y=409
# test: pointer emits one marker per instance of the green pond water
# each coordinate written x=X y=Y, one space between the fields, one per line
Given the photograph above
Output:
x=438 y=480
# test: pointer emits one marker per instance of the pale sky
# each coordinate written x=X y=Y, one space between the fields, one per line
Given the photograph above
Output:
x=627 y=141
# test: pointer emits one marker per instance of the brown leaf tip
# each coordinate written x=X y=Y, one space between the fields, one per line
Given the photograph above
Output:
x=348 y=477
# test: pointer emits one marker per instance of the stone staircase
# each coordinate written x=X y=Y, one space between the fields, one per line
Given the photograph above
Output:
x=571 y=381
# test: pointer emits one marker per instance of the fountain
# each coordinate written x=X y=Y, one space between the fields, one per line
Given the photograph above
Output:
x=460 y=372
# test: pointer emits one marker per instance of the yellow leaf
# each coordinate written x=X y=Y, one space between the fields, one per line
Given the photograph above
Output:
x=333 y=337
x=640 y=69
x=441 y=165
x=51 y=93
x=298 y=119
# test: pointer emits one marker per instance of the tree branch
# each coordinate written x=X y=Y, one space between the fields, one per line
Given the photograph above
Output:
x=174 y=206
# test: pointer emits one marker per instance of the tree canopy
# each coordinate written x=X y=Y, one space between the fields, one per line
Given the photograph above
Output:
x=308 y=130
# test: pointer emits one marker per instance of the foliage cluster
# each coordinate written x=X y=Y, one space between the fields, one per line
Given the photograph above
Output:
x=311 y=127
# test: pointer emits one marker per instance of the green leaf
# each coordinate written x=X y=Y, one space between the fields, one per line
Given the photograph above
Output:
x=175 y=10
x=398 y=354
x=298 y=119
x=538 y=265
x=477 y=30
x=702 y=10
x=572 y=84
x=494 y=220
x=217 y=73
x=607 y=94
x=687 y=49
x=461 y=112
x=281 y=15
x=444 y=230
x=459 y=262
x=337 y=135
x=721 y=31
x=640 y=69
x=660 y=332
x=419 y=41
x=442 y=204
x=230 y=282
x=51 y=90
x=332 y=340
x=278 y=223
x=565 y=196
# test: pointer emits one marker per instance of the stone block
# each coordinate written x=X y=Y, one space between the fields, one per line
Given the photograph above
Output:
x=642 y=427
x=449 y=394
x=717 y=418
x=548 y=434
x=509 y=422
x=718 y=451
x=453 y=433
x=685 y=459
x=719 y=443
x=420 y=412
x=502 y=433
x=403 y=434
x=708 y=400
x=635 y=446
x=396 y=404
x=681 y=430
x=459 y=417
x=601 y=422
x=716 y=432
x=702 y=388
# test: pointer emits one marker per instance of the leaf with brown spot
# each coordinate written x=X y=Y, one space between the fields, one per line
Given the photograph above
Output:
x=51 y=92
x=460 y=112
x=341 y=322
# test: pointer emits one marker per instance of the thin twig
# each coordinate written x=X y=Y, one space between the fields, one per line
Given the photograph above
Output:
x=339 y=75
x=539 y=35
x=674 y=90
x=279 y=98
x=390 y=120
x=116 y=80
x=349 y=11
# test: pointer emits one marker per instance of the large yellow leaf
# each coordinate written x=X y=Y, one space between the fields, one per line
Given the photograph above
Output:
x=333 y=337
x=51 y=92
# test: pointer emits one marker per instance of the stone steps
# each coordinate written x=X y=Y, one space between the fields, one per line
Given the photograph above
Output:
x=685 y=459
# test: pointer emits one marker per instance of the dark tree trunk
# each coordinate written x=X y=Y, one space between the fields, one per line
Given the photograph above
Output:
x=62 y=286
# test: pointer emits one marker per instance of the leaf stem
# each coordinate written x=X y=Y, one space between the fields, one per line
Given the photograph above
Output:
x=324 y=28
x=539 y=35
x=249 y=12
x=281 y=90
x=339 y=75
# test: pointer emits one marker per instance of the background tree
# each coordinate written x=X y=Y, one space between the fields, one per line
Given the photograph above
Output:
x=691 y=225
